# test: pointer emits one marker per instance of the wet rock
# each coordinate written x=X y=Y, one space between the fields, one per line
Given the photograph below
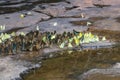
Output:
x=9 y=2
x=13 y=6
x=9 y=72
x=107 y=24
x=53 y=10
x=63 y=24
x=61 y=9
x=112 y=73
x=73 y=13
x=98 y=76
x=12 y=69
x=2 y=2
x=97 y=18
x=15 y=21
x=89 y=3
x=80 y=23
x=112 y=11
x=9 y=6
x=108 y=2
x=81 y=3
x=17 y=79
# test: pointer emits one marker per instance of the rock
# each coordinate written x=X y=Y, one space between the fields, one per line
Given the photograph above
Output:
x=89 y=3
x=9 y=6
x=112 y=11
x=63 y=24
x=107 y=24
x=10 y=1
x=72 y=13
x=13 y=69
x=112 y=73
x=15 y=5
x=117 y=66
x=81 y=3
x=109 y=2
x=64 y=4
x=15 y=21
x=54 y=9
x=9 y=72
x=51 y=10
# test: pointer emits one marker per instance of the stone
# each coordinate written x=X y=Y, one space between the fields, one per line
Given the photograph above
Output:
x=107 y=24
x=15 y=21
x=63 y=24
x=50 y=10
x=112 y=73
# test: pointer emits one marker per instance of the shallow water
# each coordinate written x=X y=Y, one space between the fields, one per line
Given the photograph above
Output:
x=68 y=66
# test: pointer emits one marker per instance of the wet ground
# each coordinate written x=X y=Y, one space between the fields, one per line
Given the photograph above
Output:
x=70 y=66
x=104 y=16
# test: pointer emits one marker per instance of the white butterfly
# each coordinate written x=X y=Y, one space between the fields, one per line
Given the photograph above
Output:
x=37 y=28
x=2 y=27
